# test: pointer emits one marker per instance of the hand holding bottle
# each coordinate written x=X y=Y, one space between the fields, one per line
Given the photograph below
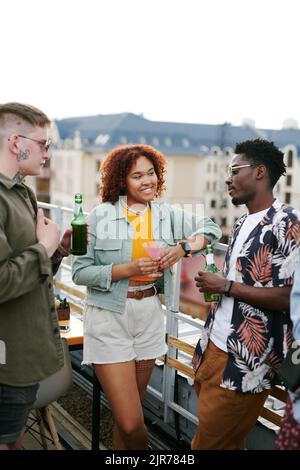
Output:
x=79 y=228
x=66 y=240
x=208 y=281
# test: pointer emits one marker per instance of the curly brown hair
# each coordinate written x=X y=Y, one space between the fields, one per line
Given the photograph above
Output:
x=118 y=164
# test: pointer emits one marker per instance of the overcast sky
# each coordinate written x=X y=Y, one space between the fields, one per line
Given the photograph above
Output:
x=202 y=61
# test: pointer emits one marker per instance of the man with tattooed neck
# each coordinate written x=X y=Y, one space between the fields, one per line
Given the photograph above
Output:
x=30 y=252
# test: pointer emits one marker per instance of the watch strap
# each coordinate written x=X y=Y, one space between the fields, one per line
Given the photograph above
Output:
x=186 y=248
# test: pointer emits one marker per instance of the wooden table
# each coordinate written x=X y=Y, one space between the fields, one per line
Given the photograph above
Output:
x=75 y=335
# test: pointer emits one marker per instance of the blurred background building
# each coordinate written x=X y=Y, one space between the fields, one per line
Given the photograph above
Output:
x=198 y=156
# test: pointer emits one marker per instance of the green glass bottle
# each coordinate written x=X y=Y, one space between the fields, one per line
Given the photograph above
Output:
x=78 y=223
x=211 y=268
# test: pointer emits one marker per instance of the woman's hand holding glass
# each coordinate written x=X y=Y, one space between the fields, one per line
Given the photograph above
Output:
x=146 y=266
x=171 y=256
x=155 y=252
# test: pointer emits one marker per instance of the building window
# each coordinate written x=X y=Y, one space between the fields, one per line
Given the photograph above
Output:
x=213 y=204
x=168 y=142
x=98 y=165
x=57 y=184
x=223 y=222
x=207 y=185
x=215 y=167
x=155 y=141
x=287 y=198
x=208 y=168
x=290 y=159
x=102 y=139
x=214 y=186
x=142 y=140
x=69 y=185
x=204 y=149
x=289 y=180
x=224 y=204
x=185 y=142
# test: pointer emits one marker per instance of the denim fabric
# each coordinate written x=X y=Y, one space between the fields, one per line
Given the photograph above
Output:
x=15 y=403
x=111 y=243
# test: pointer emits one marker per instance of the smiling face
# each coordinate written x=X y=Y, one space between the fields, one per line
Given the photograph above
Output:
x=141 y=182
x=242 y=184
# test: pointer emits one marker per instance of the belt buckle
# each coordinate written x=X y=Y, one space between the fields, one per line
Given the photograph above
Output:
x=138 y=294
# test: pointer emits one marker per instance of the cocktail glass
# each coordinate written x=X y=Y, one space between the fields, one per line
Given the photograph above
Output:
x=154 y=251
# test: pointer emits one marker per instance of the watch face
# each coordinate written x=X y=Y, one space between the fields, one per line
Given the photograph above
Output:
x=186 y=247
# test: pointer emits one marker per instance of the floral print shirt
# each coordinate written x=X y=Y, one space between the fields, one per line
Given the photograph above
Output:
x=258 y=338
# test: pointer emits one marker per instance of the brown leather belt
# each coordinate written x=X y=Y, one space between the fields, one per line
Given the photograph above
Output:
x=141 y=294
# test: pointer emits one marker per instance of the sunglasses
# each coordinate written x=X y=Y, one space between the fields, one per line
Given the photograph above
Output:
x=231 y=172
x=44 y=144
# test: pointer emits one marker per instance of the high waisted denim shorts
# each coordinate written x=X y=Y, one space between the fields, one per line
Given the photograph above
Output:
x=137 y=334
x=15 y=403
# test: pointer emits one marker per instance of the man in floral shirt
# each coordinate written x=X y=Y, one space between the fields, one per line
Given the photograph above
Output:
x=248 y=332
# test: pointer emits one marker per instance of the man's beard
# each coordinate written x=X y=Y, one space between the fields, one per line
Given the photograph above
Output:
x=237 y=201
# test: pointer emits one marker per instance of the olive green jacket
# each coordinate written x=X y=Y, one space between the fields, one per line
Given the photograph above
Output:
x=30 y=344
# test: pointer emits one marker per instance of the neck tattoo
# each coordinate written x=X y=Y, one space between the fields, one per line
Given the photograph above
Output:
x=18 y=178
x=23 y=155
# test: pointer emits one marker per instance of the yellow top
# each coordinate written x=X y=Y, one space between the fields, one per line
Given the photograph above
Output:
x=142 y=227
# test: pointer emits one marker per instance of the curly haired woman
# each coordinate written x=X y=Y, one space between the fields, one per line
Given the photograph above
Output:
x=124 y=322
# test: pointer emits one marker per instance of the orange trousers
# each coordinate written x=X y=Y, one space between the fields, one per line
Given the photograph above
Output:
x=225 y=416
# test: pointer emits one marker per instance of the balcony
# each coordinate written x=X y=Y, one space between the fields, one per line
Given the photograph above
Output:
x=170 y=401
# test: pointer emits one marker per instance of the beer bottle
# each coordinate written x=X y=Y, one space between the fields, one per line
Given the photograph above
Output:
x=78 y=223
x=211 y=268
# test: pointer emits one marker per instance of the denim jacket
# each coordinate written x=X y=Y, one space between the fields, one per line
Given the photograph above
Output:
x=111 y=243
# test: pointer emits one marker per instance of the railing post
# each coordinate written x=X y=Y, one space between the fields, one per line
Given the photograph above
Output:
x=171 y=329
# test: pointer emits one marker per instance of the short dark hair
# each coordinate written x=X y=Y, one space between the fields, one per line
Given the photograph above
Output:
x=263 y=152
x=26 y=112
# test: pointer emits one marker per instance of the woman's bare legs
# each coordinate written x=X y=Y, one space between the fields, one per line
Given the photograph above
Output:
x=125 y=384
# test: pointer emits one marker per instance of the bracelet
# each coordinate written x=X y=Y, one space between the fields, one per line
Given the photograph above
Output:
x=228 y=286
